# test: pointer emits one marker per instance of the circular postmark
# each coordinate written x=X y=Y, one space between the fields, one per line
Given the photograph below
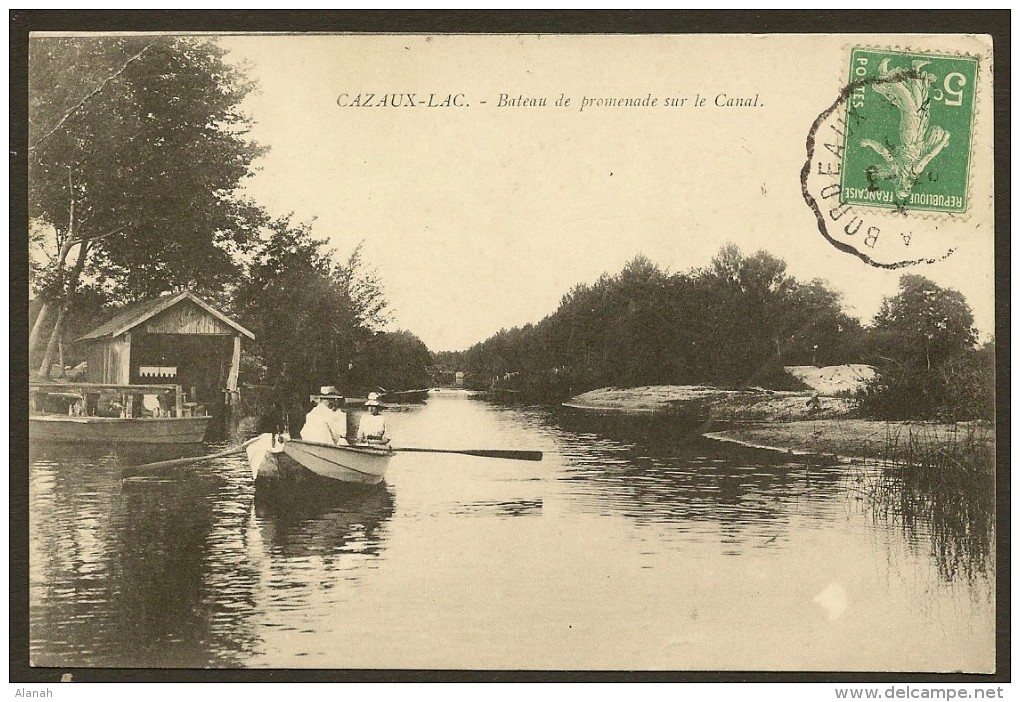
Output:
x=888 y=163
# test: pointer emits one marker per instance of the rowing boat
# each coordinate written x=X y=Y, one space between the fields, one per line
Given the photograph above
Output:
x=363 y=464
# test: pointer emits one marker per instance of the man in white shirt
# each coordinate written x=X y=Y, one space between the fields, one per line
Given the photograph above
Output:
x=326 y=423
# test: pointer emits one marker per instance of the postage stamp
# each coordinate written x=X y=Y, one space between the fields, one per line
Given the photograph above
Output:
x=909 y=124
x=897 y=165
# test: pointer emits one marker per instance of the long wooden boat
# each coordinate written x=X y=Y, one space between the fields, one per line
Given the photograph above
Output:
x=402 y=396
x=66 y=412
x=117 y=430
x=360 y=463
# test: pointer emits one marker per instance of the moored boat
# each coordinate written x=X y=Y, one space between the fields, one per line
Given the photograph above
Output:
x=404 y=396
x=72 y=412
x=118 y=430
x=363 y=464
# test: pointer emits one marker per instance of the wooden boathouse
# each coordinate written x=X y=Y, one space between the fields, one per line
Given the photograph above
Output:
x=178 y=339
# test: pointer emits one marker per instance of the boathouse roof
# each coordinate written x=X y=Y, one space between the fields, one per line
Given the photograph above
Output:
x=131 y=316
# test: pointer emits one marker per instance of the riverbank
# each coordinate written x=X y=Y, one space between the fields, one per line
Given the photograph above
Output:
x=833 y=385
x=820 y=419
x=864 y=439
x=746 y=405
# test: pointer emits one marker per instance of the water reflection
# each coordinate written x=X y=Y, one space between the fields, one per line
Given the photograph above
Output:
x=653 y=470
x=323 y=520
x=503 y=508
x=628 y=546
x=133 y=573
x=949 y=511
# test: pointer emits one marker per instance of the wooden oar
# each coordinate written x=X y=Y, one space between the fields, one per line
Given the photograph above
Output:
x=145 y=467
x=484 y=453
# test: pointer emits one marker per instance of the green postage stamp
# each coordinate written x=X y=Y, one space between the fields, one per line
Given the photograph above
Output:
x=909 y=123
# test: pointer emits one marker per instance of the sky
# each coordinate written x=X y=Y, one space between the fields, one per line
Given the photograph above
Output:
x=482 y=215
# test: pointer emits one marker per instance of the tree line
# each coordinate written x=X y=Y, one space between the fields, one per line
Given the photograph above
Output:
x=138 y=152
x=736 y=323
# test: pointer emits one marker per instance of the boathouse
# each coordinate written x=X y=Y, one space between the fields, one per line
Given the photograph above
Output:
x=177 y=339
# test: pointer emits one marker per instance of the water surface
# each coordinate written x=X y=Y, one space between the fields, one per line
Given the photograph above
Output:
x=628 y=547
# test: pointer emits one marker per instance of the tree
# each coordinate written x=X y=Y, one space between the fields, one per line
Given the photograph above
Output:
x=753 y=318
x=924 y=324
x=392 y=361
x=137 y=148
x=928 y=367
x=736 y=321
x=310 y=314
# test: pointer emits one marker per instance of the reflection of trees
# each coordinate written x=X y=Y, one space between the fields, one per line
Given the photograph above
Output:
x=128 y=576
x=161 y=614
x=69 y=566
x=655 y=470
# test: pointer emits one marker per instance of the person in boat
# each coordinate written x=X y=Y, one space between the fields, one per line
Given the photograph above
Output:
x=326 y=423
x=372 y=427
x=274 y=421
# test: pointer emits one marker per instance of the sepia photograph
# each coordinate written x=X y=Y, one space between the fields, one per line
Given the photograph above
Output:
x=510 y=351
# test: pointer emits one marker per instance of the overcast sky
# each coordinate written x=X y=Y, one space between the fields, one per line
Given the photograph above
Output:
x=480 y=217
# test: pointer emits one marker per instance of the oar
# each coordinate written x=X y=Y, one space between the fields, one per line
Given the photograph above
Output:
x=484 y=453
x=145 y=467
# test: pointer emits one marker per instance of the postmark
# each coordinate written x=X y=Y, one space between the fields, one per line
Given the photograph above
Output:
x=889 y=161
x=909 y=126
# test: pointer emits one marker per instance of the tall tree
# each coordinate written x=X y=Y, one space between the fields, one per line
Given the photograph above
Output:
x=924 y=340
x=137 y=147
x=311 y=315
x=924 y=324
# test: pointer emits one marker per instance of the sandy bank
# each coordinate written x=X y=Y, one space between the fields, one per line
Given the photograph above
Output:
x=857 y=438
x=833 y=384
x=786 y=421
x=845 y=379
x=724 y=405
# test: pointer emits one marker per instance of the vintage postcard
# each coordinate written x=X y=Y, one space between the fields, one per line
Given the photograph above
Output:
x=511 y=352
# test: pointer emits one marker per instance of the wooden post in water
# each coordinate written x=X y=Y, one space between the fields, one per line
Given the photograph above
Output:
x=235 y=364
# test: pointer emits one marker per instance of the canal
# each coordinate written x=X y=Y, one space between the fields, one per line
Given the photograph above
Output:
x=629 y=547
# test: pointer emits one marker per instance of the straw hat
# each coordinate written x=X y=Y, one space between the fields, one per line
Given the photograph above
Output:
x=373 y=400
x=328 y=392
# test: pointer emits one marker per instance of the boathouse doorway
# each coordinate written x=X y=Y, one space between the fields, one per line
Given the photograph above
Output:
x=200 y=364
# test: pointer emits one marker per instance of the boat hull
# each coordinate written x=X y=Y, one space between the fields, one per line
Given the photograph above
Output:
x=404 y=396
x=347 y=464
x=115 y=430
x=290 y=460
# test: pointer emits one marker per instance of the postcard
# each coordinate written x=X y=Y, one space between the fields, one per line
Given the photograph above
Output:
x=511 y=352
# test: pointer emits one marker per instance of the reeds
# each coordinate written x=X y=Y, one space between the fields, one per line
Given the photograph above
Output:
x=937 y=483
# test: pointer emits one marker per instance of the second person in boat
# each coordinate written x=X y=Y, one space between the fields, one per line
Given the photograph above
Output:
x=372 y=426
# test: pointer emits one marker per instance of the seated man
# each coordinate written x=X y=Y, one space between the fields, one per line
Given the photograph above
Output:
x=326 y=423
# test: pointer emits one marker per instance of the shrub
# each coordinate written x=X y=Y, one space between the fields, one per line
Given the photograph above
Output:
x=960 y=389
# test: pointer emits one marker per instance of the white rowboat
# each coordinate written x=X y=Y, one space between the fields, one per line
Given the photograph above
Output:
x=363 y=464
